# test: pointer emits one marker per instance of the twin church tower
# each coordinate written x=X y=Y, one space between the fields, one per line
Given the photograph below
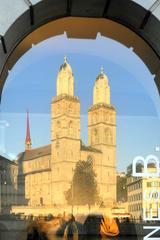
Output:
x=66 y=147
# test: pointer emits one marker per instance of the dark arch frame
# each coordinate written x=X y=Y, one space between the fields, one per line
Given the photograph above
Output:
x=83 y=19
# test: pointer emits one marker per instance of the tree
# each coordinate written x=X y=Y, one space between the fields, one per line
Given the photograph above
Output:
x=83 y=189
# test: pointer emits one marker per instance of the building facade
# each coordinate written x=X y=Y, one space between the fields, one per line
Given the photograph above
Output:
x=143 y=195
x=8 y=184
x=121 y=187
x=45 y=173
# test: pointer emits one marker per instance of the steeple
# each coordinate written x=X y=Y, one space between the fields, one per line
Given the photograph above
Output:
x=102 y=70
x=65 y=79
x=65 y=59
x=28 y=142
x=101 y=91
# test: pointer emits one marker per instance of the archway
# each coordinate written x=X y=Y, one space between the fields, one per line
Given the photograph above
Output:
x=73 y=28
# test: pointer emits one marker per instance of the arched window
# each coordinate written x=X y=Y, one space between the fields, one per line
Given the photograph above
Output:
x=70 y=128
x=95 y=117
x=108 y=136
x=58 y=109
x=111 y=138
x=58 y=128
x=57 y=140
x=95 y=136
x=107 y=117
x=70 y=108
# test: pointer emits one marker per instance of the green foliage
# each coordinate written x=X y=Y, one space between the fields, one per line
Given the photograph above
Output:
x=83 y=189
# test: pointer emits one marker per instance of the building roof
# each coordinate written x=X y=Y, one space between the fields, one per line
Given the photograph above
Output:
x=46 y=150
x=89 y=148
x=6 y=160
x=65 y=96
x=35 y=153
x=103 y=105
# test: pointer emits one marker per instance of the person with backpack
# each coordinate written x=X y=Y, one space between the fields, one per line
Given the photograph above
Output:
x=71 y=230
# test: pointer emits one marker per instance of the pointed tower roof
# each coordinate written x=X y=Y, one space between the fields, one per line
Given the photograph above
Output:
x=65 y=65
x=101 y=91
x=65 y=79
x=102 y=75
x=28 y=142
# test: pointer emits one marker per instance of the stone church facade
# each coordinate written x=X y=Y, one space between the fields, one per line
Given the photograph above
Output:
x=45 y=173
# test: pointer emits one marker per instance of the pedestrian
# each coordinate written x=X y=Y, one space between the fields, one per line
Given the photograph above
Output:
x=71 y=230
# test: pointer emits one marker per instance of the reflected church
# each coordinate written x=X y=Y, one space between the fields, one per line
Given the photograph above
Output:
x=45 y=173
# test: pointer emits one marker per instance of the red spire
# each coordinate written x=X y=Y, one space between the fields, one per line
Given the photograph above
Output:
x=28 y=142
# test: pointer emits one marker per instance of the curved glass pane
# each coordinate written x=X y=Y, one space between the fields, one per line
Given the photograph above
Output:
x=69 y=100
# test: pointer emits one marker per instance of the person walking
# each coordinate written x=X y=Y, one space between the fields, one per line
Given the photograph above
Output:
x=71 y=230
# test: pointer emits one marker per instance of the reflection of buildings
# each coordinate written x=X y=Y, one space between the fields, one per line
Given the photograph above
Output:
x=45 y=173
x=121 y=187
x=8 y=184
x=120 y=210
x=136 y=187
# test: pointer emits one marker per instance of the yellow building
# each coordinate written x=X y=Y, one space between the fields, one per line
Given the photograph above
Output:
x=45 y=173
x=143 y=195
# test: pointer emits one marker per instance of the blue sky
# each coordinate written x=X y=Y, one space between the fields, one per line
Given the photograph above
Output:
x=31 y=85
